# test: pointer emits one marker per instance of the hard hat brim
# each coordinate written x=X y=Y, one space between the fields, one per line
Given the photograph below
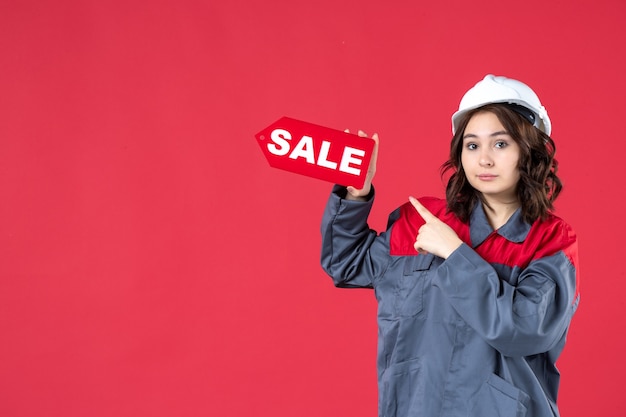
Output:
x=542 y=122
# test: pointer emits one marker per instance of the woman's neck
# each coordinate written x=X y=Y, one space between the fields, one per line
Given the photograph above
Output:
x=499 y=212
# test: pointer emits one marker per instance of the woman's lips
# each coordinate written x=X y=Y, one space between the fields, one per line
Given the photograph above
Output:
x=487 y=177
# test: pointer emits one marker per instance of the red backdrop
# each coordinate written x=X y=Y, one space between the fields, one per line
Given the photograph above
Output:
x=153 y=264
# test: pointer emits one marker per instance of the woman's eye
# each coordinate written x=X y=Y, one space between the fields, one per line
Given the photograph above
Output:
x=501 y=144
x=471 y=146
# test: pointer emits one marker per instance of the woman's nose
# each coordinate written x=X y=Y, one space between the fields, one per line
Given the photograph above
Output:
x=486 y=160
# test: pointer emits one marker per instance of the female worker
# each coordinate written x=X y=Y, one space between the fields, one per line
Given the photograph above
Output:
x=475 y=292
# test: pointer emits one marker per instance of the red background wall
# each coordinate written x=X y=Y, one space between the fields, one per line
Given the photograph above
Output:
x=153 y=264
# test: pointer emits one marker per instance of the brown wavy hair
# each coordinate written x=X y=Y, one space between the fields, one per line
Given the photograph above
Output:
x=538 y=186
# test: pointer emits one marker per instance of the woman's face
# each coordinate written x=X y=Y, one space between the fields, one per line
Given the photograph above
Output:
x=490 y=158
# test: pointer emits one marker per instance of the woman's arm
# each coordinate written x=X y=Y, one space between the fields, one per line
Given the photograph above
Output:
x=517 y=320
x=349 y=252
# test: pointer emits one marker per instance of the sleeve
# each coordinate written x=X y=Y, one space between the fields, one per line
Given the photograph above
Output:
x=528 y=318
x=352 y=254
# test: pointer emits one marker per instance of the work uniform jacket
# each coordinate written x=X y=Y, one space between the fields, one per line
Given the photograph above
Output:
x=477 y=334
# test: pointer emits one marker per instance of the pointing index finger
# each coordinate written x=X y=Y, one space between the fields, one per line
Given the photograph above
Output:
x=421 y=210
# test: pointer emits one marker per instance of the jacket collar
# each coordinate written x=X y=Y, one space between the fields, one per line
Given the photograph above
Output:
x=515 y=229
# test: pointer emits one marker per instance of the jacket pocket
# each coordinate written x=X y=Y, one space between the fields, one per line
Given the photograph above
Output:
x=498 y=398
x=403 y=390
x=409 y=297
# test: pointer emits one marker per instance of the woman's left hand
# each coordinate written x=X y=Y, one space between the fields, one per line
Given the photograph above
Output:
x=434 y=236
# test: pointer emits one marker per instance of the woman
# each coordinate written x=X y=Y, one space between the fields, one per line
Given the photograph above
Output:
x=476 y=292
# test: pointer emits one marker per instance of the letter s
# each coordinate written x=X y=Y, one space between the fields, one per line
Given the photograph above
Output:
x=280 y=138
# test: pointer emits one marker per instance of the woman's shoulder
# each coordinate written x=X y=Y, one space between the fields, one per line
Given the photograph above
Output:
x=556 y=227
x=552 y=235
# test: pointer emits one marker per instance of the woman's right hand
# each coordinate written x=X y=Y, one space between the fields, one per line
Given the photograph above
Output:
x=361 y=194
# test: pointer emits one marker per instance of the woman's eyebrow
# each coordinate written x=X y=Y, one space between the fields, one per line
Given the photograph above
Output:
x=494 y=134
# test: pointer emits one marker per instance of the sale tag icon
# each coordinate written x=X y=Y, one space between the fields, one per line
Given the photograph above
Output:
x=316 y=151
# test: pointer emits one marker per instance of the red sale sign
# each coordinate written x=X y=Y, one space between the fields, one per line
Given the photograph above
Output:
x=316 y=151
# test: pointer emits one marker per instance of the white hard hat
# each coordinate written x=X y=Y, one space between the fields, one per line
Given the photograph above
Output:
x=496 y=89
